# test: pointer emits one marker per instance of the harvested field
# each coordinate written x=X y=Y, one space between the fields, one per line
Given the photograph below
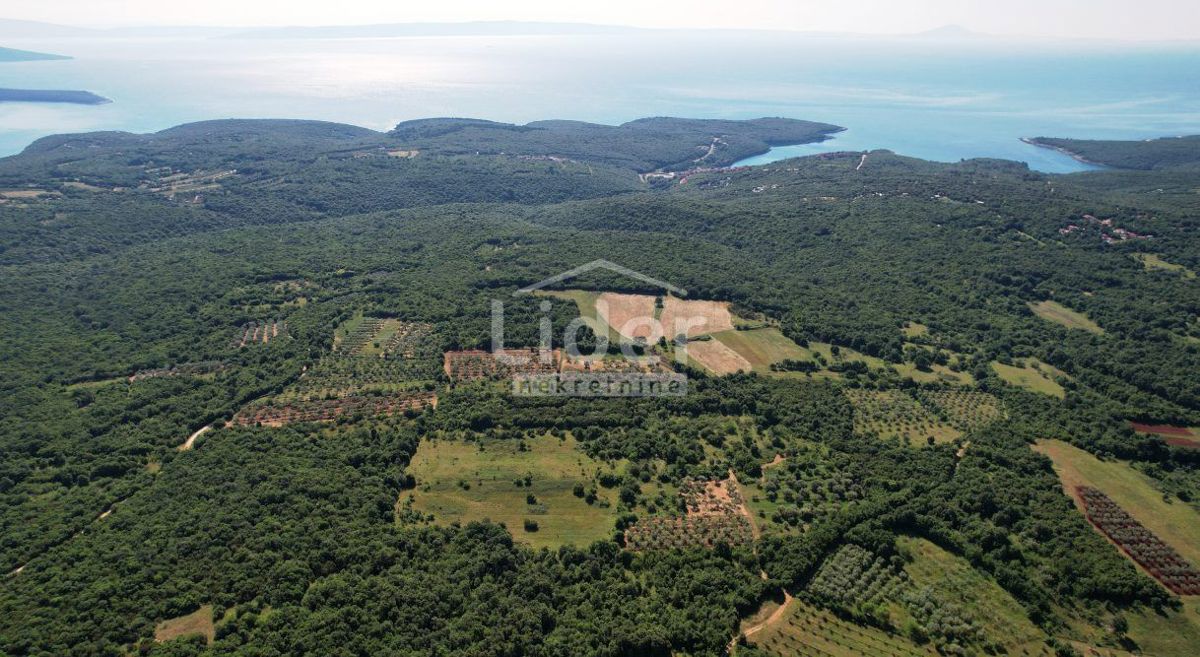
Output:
x=467 y=481
x=1163 y=430
x=1052 y=311
x=197 y=622
x=717 y=357
x=631 y=315
x=762 y=347
x=694 y=317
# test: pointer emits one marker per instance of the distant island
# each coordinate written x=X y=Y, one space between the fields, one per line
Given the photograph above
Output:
x=14 y=55
x=51 y=96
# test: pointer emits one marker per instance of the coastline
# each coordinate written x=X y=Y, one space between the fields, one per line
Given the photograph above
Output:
x=1032 y=141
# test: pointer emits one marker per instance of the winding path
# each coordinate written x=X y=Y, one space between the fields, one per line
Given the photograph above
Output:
x=187 y=444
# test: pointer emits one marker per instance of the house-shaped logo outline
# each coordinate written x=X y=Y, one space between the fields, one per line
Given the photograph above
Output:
x=600 y=263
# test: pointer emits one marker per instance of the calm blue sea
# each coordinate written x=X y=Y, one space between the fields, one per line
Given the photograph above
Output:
x=936 y=100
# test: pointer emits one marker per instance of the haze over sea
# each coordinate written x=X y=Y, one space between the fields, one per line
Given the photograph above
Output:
x=934 y=98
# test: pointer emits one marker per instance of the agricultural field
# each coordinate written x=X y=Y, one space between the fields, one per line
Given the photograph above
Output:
x=366 y=375
x=1000 y=618
x=965 y=410
x=1052 y=311
x=714 y=513
x=1156 y=557
x=717 y=357
x=893 y=413
x=936 y=373
x=629 y=315
x=278 y=414
x=1154 y=262
x=260 y=332
x=1177 y=436
x=459 y=481
x=474 y=365
x=1033 y=375
x=198 y=622
x=694 y=316
x=762 y=347
x=1176 y=523
x=808 y=630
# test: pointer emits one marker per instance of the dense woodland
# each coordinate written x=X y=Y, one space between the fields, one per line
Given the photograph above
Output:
x=134 y=257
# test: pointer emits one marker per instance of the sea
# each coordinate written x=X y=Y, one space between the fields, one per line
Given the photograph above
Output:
x=936 y=99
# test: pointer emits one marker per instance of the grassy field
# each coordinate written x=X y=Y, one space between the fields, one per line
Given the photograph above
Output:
x=1001 y=617
x=806 y=630
x=763 y=347
x=1053 y=311
x=460 y=481
x=1153 y=262
x=1033 y=375
x=585 y=301
x=914 y=329
x=197 y=622
x=1167 y=635
x=1175 y=523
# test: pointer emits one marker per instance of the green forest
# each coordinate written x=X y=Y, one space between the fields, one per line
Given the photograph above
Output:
x=136 y=499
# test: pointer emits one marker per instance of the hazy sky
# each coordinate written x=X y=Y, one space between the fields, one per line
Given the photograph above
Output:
x=1133 y=19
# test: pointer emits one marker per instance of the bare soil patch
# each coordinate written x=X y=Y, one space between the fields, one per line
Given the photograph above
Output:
x=695 y=317
x=717 y=357
x=631 y=315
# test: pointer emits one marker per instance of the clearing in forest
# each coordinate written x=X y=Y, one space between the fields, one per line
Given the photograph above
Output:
x=999 y=616
x=197 y=622
x=966 y=410
x=717 y=357
x=695 y=317
x=1033 y=375
x=1154 y=262
x=807 y=630
x=889 y=413
x=762 y=347
x=1176 y=523
x=468 y=481
x=1052 y=311
x=715 y=513
x=630 y=315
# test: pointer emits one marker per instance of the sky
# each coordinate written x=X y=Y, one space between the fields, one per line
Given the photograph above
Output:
x=1122 y=19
